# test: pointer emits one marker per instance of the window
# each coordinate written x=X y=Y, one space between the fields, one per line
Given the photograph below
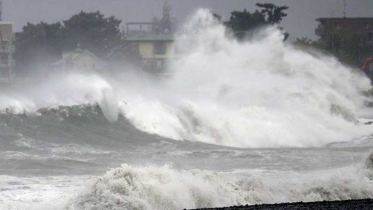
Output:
x=160 y=48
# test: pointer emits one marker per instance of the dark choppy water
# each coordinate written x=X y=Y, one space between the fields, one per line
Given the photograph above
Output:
x=58 y=153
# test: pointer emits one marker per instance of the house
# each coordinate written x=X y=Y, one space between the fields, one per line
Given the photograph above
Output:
x=345 y=26
x=124 y=55
x=154 y=49
x=79 y=59
x=6 y=50
x=152 y=43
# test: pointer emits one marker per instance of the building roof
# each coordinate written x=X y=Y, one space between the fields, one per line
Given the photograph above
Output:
x=345 y=18
x=74 y=56
x=6 y=23
x=152 y=37
x=140 y=23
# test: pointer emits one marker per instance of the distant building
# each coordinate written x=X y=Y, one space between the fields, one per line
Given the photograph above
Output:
x=139 y=28
x=164 y=25
x=154 y=49
x=344 y=26
x=78 y=59
x=124 y=55
x=150 y=43
x=6 y=50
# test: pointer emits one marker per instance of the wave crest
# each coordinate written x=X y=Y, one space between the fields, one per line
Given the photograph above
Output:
x=152 y=187
x=158 y=188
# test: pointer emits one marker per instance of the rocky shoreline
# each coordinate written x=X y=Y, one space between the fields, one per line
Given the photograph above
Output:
x=365 y=204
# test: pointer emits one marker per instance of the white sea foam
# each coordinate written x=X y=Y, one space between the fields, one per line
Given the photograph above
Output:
x=257 y=93
x=154 y=187
x=39 y=193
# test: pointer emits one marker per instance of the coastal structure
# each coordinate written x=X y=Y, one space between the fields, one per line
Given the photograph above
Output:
x=126 y=54
x=344 y=26
x=155 y=50
x=1 y=10
x=164 y=25
x=152 y=42
x=139 y=28
x=78 y=59
x=6 y=47
x=6 y=50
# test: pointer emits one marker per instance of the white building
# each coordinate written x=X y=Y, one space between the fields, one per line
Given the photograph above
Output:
x=6 y=50
x=155 y=49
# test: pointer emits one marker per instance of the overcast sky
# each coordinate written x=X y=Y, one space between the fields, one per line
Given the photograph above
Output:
x=300 y=21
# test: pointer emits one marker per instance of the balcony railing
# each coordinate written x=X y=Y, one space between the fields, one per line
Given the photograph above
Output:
x=320 y=31
x=7 y=49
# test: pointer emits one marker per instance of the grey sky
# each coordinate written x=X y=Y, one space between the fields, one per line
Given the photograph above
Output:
x=300 y=21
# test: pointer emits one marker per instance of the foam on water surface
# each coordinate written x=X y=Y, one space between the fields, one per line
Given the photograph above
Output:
x=290 y=119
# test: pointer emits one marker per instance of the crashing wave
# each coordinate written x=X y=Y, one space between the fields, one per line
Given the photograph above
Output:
x=151 y=187
x=259 y=93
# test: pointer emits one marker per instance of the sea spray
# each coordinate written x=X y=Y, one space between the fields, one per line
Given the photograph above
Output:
x=257 y=93
x=152 y=187
x=69 y=89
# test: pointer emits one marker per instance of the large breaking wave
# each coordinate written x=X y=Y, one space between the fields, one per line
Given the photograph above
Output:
x=257 y=93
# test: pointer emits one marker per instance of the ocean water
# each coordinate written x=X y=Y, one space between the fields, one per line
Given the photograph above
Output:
x=228 y=123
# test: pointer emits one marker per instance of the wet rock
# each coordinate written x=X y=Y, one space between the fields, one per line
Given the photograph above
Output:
x=366 y=204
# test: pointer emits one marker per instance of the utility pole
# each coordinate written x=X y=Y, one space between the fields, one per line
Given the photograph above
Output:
x=1 y=10
x=344 y=8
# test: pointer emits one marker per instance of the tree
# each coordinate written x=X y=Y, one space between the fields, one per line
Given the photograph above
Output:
x=38 y=45
x=41 y=44
x=91 y=31
x=242 y=22
x=333 y=43
x=303 y=42
x=273 y=13
x=356 y=49
x=309 y=45
x=216 y=17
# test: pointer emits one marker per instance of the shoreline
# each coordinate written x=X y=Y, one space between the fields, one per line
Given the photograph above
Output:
x=360 y=204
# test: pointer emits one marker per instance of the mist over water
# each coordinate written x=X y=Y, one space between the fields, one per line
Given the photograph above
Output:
x=228 y=123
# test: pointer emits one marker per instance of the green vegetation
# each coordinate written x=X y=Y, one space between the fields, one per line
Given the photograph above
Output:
x=242 y=22
x=92 y=31
x=351 y=49
x=38 y=45
x=355 y=49
x=273 y=13
x=41 y=44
